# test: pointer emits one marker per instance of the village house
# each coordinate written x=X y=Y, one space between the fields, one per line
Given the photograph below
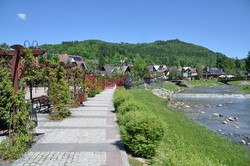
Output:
x=212 y=72
x=73 y=59
x=152 y=70
x=158 y=70
x=189 y=72
x=248 y=73
x=109 y=70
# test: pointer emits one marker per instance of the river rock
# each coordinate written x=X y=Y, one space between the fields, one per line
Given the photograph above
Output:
x=163 y=93
x=231 y=119
x=220 y=105
x=221 y=115
x=216 y=114
x=187 y=106
x=224 y=122
x=243 y=142
x=203 y=112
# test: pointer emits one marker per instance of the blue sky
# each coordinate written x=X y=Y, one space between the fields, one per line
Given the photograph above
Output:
x=220 y=25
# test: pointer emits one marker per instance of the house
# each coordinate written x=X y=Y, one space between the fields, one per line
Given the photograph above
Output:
x=152 y=70
x=189 y=72
x=155 y=70
x=164 y=70
x=109 y=70
x=125 y=69
x=73 y=59
x=78 y=61
x=212 y=72
x=248 y=73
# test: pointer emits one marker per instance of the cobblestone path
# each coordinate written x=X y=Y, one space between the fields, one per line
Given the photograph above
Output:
x=88 y=137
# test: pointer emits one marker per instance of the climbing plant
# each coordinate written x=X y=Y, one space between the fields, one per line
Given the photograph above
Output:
x=31 y=74
x=59 y=93
x=20 y=137
x=6 y=99
x=77 y=80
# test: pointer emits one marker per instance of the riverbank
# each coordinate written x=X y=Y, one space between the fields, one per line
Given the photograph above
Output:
x=204 y=83
x=244 y=89
x=186 y=142
x=220 y=109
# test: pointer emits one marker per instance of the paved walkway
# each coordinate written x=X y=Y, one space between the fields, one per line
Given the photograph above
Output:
x=88 y=137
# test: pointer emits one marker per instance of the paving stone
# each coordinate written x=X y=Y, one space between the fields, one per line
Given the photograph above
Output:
x=90 y=137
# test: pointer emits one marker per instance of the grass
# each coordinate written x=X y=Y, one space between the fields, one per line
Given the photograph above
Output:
x=186 y=142
x=238 y=82
x=171 y=87
x=245 y=89
x=134 y=162
x=204 y=83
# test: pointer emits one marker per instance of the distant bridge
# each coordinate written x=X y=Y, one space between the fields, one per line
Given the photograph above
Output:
x=226 y=80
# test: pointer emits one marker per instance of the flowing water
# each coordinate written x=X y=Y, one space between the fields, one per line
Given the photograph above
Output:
x=202 y=110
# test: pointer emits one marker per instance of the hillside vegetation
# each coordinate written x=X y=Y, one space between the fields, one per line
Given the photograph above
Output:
x=170 y=53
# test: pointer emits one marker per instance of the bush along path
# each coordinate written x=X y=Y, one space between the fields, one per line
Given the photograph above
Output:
x=88 y=137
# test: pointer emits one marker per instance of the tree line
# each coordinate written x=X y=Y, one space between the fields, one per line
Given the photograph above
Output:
x=98 y=53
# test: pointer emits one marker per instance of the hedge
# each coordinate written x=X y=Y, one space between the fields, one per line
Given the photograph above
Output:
x=141 y=131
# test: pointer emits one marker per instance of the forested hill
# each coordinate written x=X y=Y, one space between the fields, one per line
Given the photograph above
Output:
x=171 y=53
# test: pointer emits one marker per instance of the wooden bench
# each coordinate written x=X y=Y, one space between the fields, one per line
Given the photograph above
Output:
x=41 y=104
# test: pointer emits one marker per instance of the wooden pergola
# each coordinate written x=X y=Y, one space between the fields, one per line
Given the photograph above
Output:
x=15 y=55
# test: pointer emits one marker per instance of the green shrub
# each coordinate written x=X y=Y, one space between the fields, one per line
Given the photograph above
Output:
x=14 y=149
x=59 y=112
x=98 y=91
x=121 y=96
x=59 y=93
x=91 y=93
x=6 y=97
x=141 y=132
x=129 y=105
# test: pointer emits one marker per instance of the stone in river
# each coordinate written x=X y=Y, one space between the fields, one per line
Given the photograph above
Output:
x=203 y=112
x=231 y=119
x=220 y=105
x=216 y=114
x=224 y=122
x=243 y=142
x=221 y=115
x=187 y=106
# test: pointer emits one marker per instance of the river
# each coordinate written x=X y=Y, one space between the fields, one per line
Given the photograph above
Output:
x=213 y=112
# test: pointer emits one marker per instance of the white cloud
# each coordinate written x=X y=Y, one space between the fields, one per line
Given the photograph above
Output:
x=22 y=16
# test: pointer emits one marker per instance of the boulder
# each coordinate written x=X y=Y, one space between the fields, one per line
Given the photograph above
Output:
x=216 y=115
x=231 y=119
x=224 y=122
x=243 y=142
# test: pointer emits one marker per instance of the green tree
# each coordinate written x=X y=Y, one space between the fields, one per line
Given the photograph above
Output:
x=7 y=97
x=199 y=72
x=4 y=46
x=237 y=63
x=59 y=93
x=248 y=61
x=173 y=73
x=140 y=68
